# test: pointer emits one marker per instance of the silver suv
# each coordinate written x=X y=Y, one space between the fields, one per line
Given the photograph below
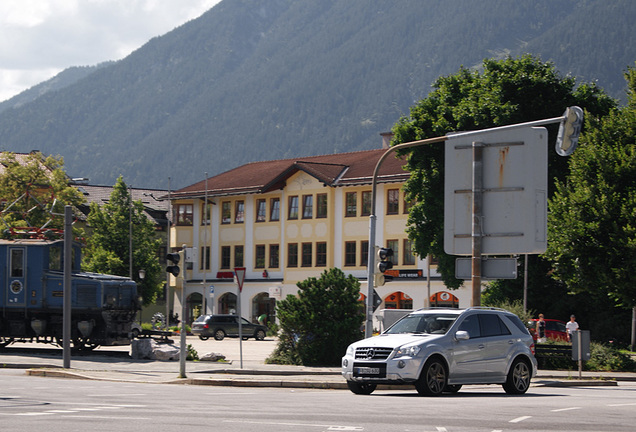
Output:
x=439 y=350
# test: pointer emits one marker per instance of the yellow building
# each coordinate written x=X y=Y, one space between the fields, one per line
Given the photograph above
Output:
x=287 y=220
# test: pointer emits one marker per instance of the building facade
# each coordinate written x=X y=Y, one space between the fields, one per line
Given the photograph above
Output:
x=287 y=220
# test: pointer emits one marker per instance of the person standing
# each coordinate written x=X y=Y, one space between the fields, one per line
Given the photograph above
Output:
x=571 y=326
x=540 y=330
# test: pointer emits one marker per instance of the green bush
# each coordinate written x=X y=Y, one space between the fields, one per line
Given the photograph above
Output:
x=608 y=358
x=192 y=353
x=319 y=324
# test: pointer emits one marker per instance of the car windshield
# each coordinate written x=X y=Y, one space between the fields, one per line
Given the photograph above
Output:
x=423 y=324
x=201 y=318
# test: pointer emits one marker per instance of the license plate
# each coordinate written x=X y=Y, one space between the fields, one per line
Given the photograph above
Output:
x=367 y=371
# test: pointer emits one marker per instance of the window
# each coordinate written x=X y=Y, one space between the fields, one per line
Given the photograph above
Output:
x=259 y=256
x=274 y=211
x=409 y=258
x=293 y=207
x=238 y=256
x=55 y=258
x=292 y=255
x=239 y=216
x=226 y=212
x=350 y=253
x=366 y=203
x=351 y=209
x=308 y=206
x=393 y=244
x=225 y=257
x=261 y=210
x=364 y=253
x=273 y=255
x=17 y=263
x=205 y=258
x=184 y=214
x=321 y=254
x=321 y=206
x=307 y=256
x=407 y=205
x=392 y=201
x=206 y=212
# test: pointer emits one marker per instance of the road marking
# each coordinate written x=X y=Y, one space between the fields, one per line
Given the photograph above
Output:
x=565 y=409
x=106 y=417
x=622 y=404
x=34 y=414
x=519 y=419
x=329 y=427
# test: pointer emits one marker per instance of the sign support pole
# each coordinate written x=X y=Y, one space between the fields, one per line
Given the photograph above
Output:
x=68 y=268
x=240 y=278
x=477 y=202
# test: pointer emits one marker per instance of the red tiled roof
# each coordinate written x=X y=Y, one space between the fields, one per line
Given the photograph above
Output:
x=333 y=170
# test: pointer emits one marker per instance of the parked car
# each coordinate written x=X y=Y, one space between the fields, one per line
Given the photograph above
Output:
x=220 y=326
x=440 y=350
x=554 y=329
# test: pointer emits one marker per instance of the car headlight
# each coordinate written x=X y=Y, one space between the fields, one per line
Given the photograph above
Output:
x=349 y=352
x=408 y=351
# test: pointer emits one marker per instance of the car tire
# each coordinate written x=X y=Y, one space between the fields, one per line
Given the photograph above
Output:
x=204 y=337
x=519 y=377
x=361 y=388
x=432 y=380
x=219 y=335
x=259 y=335
x=452 y=388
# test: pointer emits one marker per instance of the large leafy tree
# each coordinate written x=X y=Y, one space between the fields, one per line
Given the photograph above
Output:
x=319 y=324
x=592 y=219
x=33 y=192
x=108 y=247
x=504 y=92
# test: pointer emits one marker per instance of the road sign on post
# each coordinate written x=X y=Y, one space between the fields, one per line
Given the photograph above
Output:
x=240 y=277
x=513 y=188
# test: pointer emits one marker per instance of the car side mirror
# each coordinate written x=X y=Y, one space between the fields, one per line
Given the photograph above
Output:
x=462 y=335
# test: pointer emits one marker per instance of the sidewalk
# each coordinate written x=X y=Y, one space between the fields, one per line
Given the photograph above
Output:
x=253 y=373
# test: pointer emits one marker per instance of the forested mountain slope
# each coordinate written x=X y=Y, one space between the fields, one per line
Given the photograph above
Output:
x=265 y=79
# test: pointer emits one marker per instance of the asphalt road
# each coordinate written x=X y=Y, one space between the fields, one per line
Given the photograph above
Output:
x=35 y=403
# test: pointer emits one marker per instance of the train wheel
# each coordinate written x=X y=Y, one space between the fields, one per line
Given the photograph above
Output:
x=82 y=344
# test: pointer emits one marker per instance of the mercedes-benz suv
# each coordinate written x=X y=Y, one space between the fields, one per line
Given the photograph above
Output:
x=439 y=350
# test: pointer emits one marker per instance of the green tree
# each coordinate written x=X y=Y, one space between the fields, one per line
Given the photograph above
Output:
x=319 y=324
x=592 y=218
x=108 y=247
x=33 y=191
x=505 y=92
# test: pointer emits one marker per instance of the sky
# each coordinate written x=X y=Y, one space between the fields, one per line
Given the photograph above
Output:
x=40 y=38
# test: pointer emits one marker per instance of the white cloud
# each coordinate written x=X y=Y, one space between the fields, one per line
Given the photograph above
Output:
x=40 y=38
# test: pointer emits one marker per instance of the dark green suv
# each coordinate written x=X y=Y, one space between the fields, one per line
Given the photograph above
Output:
x=220 y=326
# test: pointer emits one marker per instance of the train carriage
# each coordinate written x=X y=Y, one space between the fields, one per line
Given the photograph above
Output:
x=32 y=296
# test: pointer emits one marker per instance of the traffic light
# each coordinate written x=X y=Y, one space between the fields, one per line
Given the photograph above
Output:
x=384 y=255
x=569 y=131
x=174 y=258
x=384 y=263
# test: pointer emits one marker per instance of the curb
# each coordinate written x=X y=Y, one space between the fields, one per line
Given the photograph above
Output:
x=287 y=383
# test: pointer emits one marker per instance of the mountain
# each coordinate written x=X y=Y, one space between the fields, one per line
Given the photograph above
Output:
x=64 y=79
x=255 y=80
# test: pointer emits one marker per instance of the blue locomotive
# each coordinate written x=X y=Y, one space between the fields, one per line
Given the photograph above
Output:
x=32 y=297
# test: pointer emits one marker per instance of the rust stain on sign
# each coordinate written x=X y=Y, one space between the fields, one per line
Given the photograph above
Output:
x=503 y=155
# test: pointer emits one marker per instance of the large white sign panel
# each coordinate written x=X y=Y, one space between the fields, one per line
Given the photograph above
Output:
x=515 y=183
